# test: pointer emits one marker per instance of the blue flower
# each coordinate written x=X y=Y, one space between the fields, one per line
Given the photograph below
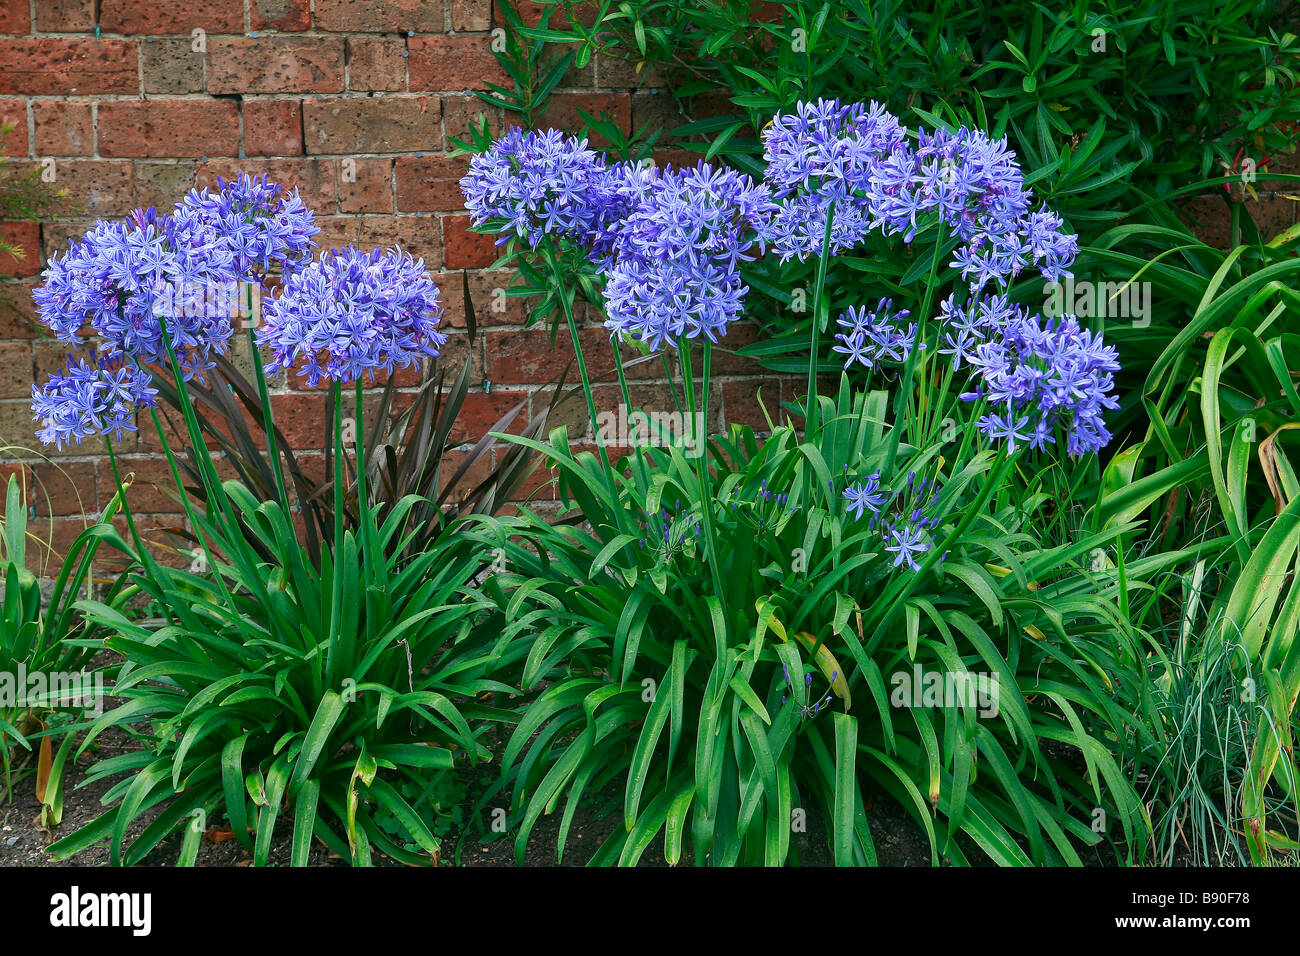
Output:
x=819 y=157
x=536 y=184
x=866 y=496
x=86 y=399
x=1044 y=375
x=352 y=313
x=675 y=264
x=153 y=279
x=871 y=337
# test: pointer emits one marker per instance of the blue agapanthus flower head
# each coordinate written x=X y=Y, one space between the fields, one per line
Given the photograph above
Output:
x=904 y=519
x=250 y=224
x=858 y=161
x=352 y=313
x=822 y=157
x=99 y=397
x=675 y=263
x=973 y=185
x=545 y=183
x=125 y=279
x=1039 y=376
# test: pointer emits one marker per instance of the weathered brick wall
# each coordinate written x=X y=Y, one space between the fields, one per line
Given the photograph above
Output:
x=130 y=103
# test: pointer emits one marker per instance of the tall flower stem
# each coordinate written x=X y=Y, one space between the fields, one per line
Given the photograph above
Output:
x=627 y=404
x=369 y=540
x=336 y=591
x=903 y=399
x=268 y=422
x=567 y=307
x=702 y=463
x=811 y=412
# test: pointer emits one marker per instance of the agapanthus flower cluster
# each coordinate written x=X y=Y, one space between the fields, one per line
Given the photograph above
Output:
x=352 y=313
x=670 y=532
x=766 y=511
x=821 y=158
x=545 y=183
x=858 y=160
x=963 y=328
x=91 y=399
x=675 y=267
x=904 y=520
x=975 y=186
x=906 y=529
x=152 y=281
x=813 y=707
x=872 y=337
x=1039 y=375
x=250 y=222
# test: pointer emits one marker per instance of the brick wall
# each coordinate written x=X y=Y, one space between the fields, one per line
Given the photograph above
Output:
x=131 y=103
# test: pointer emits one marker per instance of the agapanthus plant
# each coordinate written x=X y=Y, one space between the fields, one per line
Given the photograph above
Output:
x=721 y=715
x=256 y=656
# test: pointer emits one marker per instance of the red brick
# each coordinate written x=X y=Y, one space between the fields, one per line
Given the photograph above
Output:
x=18 y=318
x=15 y=17
x=63 y=128
x=14 y=113
x=65 y=16
x=183 y=128
x=430 y=183
x=66 y=489
x=741 y=401
x=477 y=473
x=273 y=127
x=301 y=417
x=27 y=237
x=471 y=15
x=379 y=16
x=171 y=66
x=286 y=15
x=163 y=184
x=313 y=177
x=376 y=63
x=373 y=125
x=102 y=188
x=153 y=489
x=15 y=369
x=532 y=13
x=526 y=355
x=490 y=307
x=171 y=16
x=461 y=62
x=366 y=185
x=417 y=235
x=463 y=249
x=725 y=361
x=49 y=542
x=337 y=231
x=460 y=113
x=275 y=65
x=49 y=66
x=562 y=112
x=481 y=411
